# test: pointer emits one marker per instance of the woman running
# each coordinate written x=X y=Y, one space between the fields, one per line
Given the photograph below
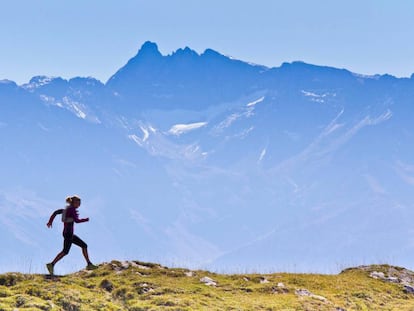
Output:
x=69 y=217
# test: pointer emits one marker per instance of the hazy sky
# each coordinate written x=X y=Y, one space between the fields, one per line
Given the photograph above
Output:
x=95 y=37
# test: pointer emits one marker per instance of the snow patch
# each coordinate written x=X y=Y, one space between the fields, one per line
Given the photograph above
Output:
x=136 y=139
x=227 y=122
x=249 y=63
x=262 y=154
x=156 y=143
x=311 y=94
x=244 y=133
x=50 y=100
x=146 y=133
x=362 y=76
x=333 y=127
x=318 y=98
x=74 y=107
x=179 y=129
x=254 y=103
x=38 y=82
x=384 y=117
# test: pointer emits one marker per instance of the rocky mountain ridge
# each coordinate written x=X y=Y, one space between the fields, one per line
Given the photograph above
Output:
x=212 y=162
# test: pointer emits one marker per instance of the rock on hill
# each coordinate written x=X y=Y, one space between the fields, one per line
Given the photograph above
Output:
x=134 y=285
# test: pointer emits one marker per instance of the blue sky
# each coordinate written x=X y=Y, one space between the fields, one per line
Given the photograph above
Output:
x=95 y=38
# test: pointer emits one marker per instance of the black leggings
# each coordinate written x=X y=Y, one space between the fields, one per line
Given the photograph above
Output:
x=71 y=238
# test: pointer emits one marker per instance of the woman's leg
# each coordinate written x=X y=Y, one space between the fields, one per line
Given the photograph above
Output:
x=58 y=257
x=78 y=241
x=67 y=243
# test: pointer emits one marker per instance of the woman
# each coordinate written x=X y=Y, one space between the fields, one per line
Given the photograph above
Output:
x=69 y=217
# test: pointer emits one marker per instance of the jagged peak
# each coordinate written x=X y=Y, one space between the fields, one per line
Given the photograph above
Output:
x=185 y=52
x=39 y=81
x=42 y=79
x=149 y=49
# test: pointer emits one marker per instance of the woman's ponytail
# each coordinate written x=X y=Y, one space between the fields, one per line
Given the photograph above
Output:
x=69 y=200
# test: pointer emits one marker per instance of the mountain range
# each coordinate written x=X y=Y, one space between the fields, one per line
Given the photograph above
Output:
x=205 y=161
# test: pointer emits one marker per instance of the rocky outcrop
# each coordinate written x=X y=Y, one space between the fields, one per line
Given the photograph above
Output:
x=305 y=292
x=208 y=281
x=390 y=274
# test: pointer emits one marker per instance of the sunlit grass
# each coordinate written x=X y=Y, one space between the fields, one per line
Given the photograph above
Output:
x=139 y=286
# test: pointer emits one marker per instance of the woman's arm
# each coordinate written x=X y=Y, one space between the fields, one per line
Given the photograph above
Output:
x=52 y=217
x=81 y=220
x=77 y=219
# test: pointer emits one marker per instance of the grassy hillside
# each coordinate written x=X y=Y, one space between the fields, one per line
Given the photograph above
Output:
x=139 y=286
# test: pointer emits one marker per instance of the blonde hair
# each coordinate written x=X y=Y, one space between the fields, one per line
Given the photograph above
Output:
x=72 y=198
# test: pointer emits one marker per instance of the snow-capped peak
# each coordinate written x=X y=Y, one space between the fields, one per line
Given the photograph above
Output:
x=39 y=81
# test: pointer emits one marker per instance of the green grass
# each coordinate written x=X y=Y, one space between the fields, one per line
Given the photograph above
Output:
x=143 y=286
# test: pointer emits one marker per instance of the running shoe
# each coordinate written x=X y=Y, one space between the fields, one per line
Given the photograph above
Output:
x=50 y=267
